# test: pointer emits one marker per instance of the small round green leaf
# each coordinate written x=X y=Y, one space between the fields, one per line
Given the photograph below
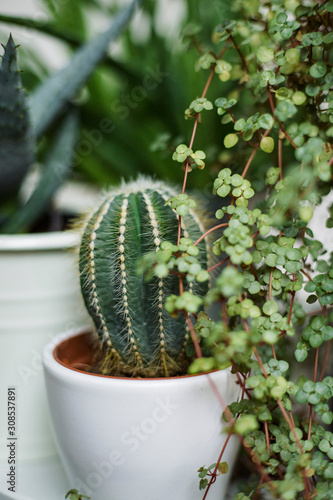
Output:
x=299 y=98
x=318 y=69
x=266 y=121
x=270 y=307
x=230 y=140
x=265 y=54
x=267 y=144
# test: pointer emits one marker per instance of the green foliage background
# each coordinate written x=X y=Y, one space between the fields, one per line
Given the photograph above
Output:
x=147 y=113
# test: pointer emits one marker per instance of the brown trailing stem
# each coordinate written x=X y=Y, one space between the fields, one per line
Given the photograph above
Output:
x=290 y=425
x=306 y=274
x=212 y=71
x=193 y=336
x=242 y=383
x=315 y=370
x=264 y=476
x=240 y=54
x=310 y=422
x=253 y=154
x=224 y=314
x=327 y=351
x=210 y=231
x=267 y=437
x=253 y=270
x=187 y=161
x=280 y=155
x=270 y=285
x=255 y=234
x=217 y=265
x=291 y=307
x=214 y=474
x=270 y=98
x=260 y=362
x=258 y=488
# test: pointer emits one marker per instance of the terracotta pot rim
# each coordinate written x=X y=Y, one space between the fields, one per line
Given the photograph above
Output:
x=83 y=372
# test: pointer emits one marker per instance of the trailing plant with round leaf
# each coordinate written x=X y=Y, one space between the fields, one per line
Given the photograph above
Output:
x=275 y=169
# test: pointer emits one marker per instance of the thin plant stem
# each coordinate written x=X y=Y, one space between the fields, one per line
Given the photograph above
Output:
x=247 y=166
x=290 y=425
x=209 y=270
x=280 y=156
x=270 y=98
x=187 y=161
x=260 y=362
x=310 y=422
x=327 y=351
x=315 y=370
x=270 y=284
x=194 y=337
x=212 y=72
x=258 y=488
x=311 y=412
x=292 y=419
x=210 y=231
x=267 y=436
x=291 y=307
x=214 y=474
x=246 y=68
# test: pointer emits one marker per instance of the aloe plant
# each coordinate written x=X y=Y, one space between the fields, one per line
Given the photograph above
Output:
x=22 y=123
x=17 y=151
x=138 y=337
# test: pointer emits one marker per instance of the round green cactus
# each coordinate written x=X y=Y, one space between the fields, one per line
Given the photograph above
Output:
x=138 y=337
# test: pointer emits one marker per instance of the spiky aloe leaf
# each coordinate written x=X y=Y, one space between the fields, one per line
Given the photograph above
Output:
x=139 y=337
x=50 y=97
x=16 y=142
x=57 y=166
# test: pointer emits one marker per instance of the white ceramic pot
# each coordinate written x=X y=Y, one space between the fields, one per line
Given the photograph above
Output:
x=132 y=438
x=39 y=297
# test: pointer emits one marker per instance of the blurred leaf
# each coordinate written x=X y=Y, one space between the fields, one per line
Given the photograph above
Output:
x=50 y=97
x=16 y=143
x=57 y=168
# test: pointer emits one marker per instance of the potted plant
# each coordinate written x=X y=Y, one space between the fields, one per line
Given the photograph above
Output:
x=37 y=259
x=277 y=128
x=130 y=388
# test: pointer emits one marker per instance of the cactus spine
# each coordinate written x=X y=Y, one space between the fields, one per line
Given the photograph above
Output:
x=138 y=336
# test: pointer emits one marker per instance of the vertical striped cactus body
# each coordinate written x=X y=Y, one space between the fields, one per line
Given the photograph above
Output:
x=138 y=336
